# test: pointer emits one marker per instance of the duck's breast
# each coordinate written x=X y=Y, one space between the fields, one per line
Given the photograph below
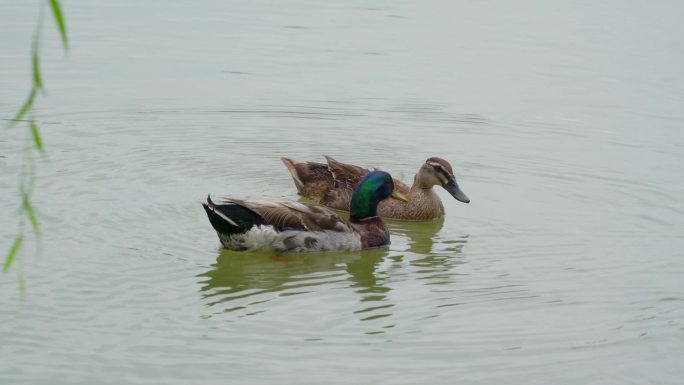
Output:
x=373 y=232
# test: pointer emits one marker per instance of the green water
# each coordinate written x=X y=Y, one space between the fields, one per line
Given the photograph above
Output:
x=563 y=123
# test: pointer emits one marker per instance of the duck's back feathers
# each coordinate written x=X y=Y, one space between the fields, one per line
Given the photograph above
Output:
x=348 y=175
x=329 y=184
x=345 y=175
x=286 y=215
x=312 y=179
x=333 y=184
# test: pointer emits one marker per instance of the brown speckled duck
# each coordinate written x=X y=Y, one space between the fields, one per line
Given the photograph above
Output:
x=332 y=185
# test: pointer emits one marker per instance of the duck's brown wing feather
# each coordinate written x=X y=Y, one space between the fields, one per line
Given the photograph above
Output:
x=294 y=215
x=313 y=180
x=401 y=186
x=351 y=175
x=330 y=184
x=347 y=175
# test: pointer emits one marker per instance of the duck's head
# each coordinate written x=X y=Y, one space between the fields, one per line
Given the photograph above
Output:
x=437 y=171
x=373 y=188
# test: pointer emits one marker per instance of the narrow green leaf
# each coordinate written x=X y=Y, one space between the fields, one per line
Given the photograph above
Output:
x=37 y=80
x=25 y=108
x=36 y=135
x=22 y=284
x=57 y=11
x=31 y=214
x=13 y=252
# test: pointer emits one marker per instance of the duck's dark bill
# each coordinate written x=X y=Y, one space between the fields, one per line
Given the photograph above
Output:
x=452 y=187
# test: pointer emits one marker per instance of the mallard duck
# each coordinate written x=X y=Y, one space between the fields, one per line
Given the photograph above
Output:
x=332 y=185
x=292 y=226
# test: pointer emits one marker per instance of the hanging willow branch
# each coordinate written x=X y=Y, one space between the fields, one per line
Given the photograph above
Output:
x=27 y=178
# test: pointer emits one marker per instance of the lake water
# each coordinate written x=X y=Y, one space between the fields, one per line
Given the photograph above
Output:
x=563 y=121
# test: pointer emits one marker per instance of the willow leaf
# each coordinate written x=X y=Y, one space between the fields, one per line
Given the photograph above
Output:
x=57 y=11
x=31 y=214
x=25 y=108
x=36 y=135
x=13 y=252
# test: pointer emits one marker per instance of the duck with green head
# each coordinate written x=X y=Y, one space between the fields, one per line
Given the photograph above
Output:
x=292 y=226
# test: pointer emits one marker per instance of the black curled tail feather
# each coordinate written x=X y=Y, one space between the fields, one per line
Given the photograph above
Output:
x=231 y=218
x=218 y=223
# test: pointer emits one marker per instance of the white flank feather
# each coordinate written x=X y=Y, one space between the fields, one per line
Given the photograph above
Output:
x=267 y=238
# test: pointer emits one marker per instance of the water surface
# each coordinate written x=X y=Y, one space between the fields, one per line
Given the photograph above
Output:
x=563 y=123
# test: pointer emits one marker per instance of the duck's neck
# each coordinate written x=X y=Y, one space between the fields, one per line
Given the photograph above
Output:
x=364 y=204
x=425 y=203
x=422 y=182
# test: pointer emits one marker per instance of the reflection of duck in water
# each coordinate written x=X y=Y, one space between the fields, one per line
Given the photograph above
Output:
x=432 y=251
x=362 y=270
x=239 y=276
x=244 y=282
x=439 y=267
x=374 y=303
x=421 y=235
x=291 y=226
